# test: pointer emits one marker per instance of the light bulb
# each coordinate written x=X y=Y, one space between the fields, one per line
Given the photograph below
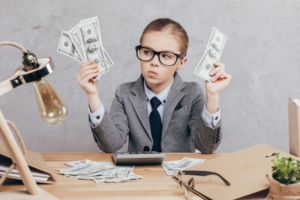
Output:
x=53 y=109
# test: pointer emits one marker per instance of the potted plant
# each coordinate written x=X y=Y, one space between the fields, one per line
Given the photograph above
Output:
x=285 y=179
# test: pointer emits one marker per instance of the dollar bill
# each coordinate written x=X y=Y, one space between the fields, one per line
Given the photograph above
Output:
x=75 y=37
x=90 y=41
x=212 y=54
x=169 y=171
x=97 y=77
x=120 y=175
x=75 y=170
x=174 y=166
x=76 y=163
x=66 y=47
x=186 y=163
x=108 y=60
x=170 y=164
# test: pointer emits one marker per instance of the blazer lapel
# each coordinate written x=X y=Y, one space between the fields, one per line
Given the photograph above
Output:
x=139 y=103
x=174 y=97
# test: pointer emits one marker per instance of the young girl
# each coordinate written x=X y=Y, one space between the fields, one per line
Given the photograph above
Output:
x=159 y=112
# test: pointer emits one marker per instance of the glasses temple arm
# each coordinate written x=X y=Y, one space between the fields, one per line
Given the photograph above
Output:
x=206 y=173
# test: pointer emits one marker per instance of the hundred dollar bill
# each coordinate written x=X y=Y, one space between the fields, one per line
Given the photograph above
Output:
x=119 y=175
x=66 y=47
x=99 y=174
x=167 y=170
x=112 y=180
x=123 y=172
x=96 y=169
x=97 y=77
x=108 y=61
x=75 y=37
x=171 y=167
x=75 y=163
x=75 y=170
x=89 y=168
x=170 y=164
x=186 y=163
x=91 y=43
x=212 y=54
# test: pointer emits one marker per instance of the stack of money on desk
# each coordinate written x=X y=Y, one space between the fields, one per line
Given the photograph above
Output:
x=174 y=166
x=83 y=43
x=99 y=171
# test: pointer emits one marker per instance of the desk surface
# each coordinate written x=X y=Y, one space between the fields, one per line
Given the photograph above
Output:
x=155 y=184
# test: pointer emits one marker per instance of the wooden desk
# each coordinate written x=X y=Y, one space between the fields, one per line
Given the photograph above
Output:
x=155 y=184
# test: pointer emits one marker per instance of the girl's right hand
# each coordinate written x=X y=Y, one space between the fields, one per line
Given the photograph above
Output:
x=87 y=71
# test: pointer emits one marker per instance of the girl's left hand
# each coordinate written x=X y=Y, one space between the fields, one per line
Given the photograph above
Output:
x=220 y=80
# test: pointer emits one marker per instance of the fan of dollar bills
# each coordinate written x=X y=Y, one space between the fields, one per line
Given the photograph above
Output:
x=212 y=54
x=99 y=171
x=83 y=43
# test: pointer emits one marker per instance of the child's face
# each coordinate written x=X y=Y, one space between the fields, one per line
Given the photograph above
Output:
x=160 y=41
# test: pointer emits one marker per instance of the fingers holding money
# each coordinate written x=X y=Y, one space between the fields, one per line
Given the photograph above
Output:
x=86 y=65
x=87 y=71
x=82 y=73
x=89 y=77
x=218 y=72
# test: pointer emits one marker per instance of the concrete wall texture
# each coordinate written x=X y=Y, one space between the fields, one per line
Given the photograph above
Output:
x=261 y=54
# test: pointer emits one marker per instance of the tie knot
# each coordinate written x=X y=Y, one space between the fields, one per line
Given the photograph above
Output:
x=155 y=102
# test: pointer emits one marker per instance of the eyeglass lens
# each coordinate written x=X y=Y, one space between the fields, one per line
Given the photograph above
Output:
x=186 y=188
x=165 y=58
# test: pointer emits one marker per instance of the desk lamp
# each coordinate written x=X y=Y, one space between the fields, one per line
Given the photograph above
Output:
x=52 y=108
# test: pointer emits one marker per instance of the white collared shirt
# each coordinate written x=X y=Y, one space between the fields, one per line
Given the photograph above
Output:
x=211 y=119
x=162 y=96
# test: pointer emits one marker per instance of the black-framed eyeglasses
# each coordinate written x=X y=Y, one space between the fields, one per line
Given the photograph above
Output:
x=166 y=58
x=187 y=188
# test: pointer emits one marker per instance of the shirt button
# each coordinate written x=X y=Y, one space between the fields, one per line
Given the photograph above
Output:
x=98 y=117
x=216 y=118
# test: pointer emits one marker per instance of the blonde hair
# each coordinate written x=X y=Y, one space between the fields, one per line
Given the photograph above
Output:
x=171 y=27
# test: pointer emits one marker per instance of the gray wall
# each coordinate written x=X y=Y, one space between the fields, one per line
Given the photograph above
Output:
x=261 y=54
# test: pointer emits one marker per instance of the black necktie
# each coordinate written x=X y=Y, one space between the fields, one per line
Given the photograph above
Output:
x=155 y=124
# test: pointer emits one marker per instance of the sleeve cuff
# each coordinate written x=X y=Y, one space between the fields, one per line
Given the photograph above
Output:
x=211 y=119
x=96 y=117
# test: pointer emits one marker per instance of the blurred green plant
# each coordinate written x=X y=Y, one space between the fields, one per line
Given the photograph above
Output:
x=286 y=170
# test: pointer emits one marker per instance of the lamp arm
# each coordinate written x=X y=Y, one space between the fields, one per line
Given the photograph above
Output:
x=14 y=44
x=23 y=148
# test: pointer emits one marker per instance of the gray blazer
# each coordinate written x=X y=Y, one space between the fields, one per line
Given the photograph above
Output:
x=183 y=129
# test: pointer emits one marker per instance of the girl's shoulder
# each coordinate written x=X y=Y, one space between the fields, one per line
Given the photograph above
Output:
x=192 y=87
x=125 y=88
x=127 y=85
